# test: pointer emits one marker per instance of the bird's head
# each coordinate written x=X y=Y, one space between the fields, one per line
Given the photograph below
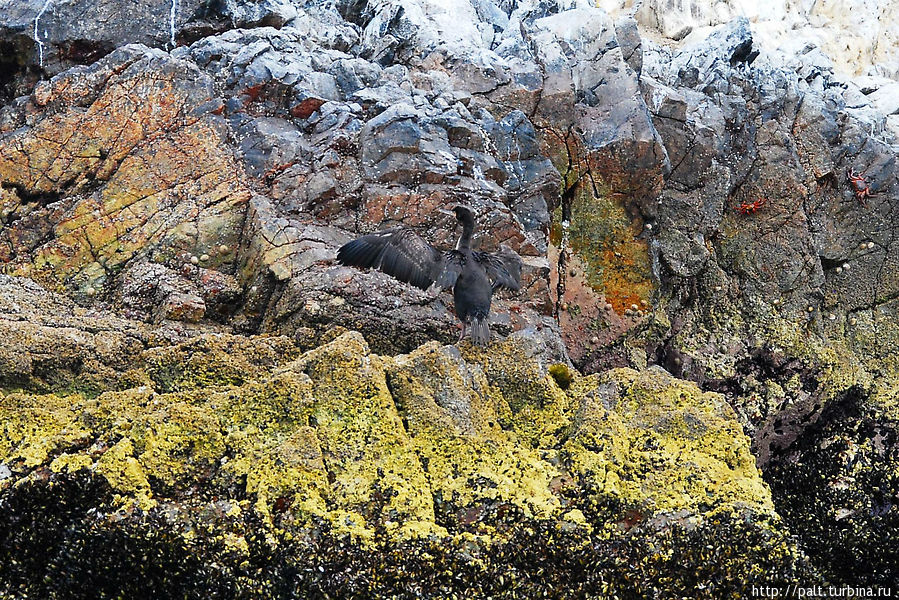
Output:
x=464 y=214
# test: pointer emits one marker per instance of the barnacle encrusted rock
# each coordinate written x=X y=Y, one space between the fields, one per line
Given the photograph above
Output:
x=385 y=468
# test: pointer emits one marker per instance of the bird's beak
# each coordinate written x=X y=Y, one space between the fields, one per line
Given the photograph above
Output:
x=447 y=212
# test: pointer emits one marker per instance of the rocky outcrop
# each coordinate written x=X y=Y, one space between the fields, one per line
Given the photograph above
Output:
x=682 y=206
x=858 y=39
x=234 y=450
x=54 y=35
x=124 y=164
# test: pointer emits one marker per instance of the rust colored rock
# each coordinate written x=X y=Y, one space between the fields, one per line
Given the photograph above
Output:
x=178 y=306
x=119 y=160
x=305 y=108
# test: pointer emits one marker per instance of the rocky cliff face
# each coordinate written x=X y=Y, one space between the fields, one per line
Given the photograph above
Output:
x=183 y=355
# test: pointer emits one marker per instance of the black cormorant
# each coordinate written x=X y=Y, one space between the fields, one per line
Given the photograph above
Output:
x=474 y=276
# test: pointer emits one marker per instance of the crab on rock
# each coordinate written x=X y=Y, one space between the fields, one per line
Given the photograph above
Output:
x=750 y=206
x=859 y=185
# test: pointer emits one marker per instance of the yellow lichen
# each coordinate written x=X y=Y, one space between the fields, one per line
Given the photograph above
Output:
x=125 y=473
x=32 y=427
x=453 y=416
x=70 y=463
x=539 y=410
x=367 y=443
x=660 y=444
x=366 y=449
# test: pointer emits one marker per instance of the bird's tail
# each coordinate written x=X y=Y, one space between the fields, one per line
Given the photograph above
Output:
x=480 y=331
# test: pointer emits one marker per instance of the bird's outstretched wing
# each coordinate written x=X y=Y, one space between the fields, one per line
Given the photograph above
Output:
x=399 y=252
x=503 y=267
x=453 y=261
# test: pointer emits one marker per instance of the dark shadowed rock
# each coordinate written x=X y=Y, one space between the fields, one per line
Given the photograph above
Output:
x=64 y=33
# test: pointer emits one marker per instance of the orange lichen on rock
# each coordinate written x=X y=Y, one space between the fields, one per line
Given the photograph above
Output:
x=142 y=166
x=602 y=231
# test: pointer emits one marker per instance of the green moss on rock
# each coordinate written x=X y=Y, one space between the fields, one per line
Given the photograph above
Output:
x=562 y=375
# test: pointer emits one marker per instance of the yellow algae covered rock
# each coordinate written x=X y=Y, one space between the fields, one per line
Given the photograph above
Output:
x=124 y=472
x=34 y=427
x=332 y=445
x=214 y=360
x=475 y=468
x=658 y=444
x=472 y=466
x=518 y=369
x=371 y=463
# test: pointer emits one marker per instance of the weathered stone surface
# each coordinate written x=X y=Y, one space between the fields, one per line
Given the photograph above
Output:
x=681 y=204
x=457 y=454
x=152 y=291
x=124 y=161
x=46 y=344
x=585 y=70
x=54 y=35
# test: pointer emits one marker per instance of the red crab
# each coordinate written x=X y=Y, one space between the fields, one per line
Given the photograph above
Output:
x=859 y=185
x=747 y=208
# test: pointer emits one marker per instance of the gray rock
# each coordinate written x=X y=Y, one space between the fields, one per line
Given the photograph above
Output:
x=381 y=98
x=267 y=13
x=324 y=26
x=589 y=88
x=354 y=74
x=630 y=42
x=63 y=33
x=886 y=99
x=269 y=143
x=705 y=65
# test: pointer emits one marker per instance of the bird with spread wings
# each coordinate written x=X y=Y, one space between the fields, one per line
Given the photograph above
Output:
x=473 y=276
